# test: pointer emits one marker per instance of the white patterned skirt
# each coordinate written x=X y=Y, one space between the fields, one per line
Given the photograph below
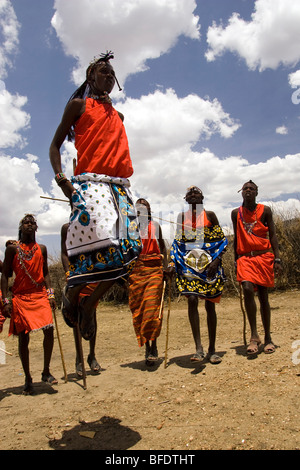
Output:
x=103 y=240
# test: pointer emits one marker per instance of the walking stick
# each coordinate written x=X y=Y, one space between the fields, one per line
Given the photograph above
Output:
x=79 y=342
x=244 y=315
x=168 y=318
x=162 y=300
x=60 y=347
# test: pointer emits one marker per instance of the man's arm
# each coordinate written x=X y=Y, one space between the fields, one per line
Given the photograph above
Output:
x=10 y=252
x=234 y=223
x=63 y=248
x=273 y=239
x=47 y=279
x=72 y=112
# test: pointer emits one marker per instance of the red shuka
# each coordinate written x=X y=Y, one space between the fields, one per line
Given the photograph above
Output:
x=257 y=269
x=101 y=142
x=30 y=305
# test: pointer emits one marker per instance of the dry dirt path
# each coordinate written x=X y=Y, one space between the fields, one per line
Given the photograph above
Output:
x=238 y=404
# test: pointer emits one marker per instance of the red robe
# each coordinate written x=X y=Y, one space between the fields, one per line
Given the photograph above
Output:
x=145 y=290
x=101 y=142
x=30 y=305
x=258 y=269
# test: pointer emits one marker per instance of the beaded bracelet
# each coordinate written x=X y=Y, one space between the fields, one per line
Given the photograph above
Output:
x=50 y=293
x=60 y=179
x=67 y=274
x=4 y=302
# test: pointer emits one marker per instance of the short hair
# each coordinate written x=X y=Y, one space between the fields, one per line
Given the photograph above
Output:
x=145 y=203
x=26 y=216
x=251 y=182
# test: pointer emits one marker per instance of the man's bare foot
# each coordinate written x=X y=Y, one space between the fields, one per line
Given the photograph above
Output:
x=269 y=347
x=253 y=346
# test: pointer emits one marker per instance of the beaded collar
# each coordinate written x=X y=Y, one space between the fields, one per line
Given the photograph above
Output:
x=105 y=98
x=249 y=226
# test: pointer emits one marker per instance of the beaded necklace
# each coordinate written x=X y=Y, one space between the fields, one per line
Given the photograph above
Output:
x=248 y=225
x=105 y=98
x=27 y=255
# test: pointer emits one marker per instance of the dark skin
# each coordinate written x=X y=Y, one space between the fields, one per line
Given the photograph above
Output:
x=91 y=357
x=101 y=81
x=194 y=198
x=143 y=210
x=249 y=193
x=28 y=230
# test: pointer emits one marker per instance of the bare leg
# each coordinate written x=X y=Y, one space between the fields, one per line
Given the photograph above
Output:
x=48 y=348
x=265 y=311
x=24 y=356
x=212 y=332
x=87 y=308
x=92 y=361
x=195 y=326
x=250 y=306
x=211 y=324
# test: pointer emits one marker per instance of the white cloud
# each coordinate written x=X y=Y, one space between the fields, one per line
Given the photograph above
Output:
x=294 y=79
x=13 y=119
x=19 y=189
x=282 y=130
x=20 y=193
x=9 y=28
x=161 y=122
x=271 y=37
x=135 y=30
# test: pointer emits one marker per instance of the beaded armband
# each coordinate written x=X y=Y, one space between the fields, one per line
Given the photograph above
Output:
x=60 y=178
x=50 y=294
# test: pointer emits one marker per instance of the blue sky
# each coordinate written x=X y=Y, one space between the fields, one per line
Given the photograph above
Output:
x=209 y=98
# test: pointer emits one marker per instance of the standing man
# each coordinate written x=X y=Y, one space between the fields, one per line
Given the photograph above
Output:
x=146 y=283
x=196 y=254
x=257 y=257
x=32 y=299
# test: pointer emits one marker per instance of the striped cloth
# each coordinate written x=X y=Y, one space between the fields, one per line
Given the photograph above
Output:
x=145 y=292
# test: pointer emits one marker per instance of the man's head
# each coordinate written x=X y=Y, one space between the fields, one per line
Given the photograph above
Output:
x=249 y=190
x=27 y=225
x=194 y=195
x=100 y=74
x=143 y=208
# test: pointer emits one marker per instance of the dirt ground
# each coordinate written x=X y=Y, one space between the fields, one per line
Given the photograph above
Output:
x=239 y=404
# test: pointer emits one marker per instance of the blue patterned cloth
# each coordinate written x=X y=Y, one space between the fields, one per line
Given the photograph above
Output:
x=191 y=254
x=103 y=240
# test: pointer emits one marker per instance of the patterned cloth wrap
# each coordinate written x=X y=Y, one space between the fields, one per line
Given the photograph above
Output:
x=103 y=240
x=191 y=253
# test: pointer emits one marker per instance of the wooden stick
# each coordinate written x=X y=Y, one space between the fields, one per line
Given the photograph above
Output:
x=162 y=300
x=168 y=319
x=54 y=199
x=60 y=347
x=244 y=314
x=8 y=353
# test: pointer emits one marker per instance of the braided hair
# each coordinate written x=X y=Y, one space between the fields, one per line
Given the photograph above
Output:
x=85 y=90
